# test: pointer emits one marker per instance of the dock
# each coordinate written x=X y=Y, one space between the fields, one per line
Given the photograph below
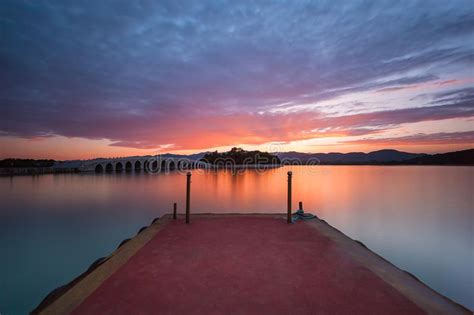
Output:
x=245 y=264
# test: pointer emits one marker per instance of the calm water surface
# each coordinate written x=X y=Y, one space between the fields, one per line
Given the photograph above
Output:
x=52 y=227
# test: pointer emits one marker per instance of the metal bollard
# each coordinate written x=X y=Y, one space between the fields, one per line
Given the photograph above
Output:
x=188 y=195
x=174 y=211
x=289 y=197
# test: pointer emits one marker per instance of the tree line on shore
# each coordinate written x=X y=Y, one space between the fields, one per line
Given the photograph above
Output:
x=23 y=163
x=239 y=156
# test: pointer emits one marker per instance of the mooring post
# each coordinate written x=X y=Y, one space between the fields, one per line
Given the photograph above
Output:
x=188 y=195
x=301 y=206
x=174 y=211
x=289 y=197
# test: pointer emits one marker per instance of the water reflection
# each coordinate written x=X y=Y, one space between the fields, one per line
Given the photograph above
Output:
x=420 y=218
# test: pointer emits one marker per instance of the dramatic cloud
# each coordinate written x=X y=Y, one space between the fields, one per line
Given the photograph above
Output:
x=421 y=139
x=193 y=75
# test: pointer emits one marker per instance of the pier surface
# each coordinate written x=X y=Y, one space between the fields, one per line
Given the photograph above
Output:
x=247 y=264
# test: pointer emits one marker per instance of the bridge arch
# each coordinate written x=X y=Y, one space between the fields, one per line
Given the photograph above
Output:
x=171 y=165
x=109 y=168
x=150 y=164
x=99 y=168
x=118 y=167
x=137 y=166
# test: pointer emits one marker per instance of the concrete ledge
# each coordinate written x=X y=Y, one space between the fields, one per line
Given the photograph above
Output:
x=411 y=287
x=417 y=292
x=73 y=296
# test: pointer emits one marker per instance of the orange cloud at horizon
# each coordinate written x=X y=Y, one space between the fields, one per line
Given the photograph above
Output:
x=306 y=131
x=62 y=148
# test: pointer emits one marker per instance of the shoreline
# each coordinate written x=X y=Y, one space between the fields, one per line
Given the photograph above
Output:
x=4 y=172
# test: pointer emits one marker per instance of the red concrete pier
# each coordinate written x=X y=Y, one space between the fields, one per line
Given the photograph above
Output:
x=247 y=264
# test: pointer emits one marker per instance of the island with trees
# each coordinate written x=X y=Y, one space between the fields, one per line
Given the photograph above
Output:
x=238 y=157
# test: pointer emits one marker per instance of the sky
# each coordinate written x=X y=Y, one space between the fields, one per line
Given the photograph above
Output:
x=85 y=79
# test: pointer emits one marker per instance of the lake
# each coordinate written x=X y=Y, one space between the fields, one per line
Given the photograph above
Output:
x=52 y=227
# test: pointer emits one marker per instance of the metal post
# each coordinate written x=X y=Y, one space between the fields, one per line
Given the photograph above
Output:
x=188 y=195
x=289 y=197
x=301 y=205
x=174 y=211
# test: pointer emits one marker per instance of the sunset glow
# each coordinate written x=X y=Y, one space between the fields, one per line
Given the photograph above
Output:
x=80 y=81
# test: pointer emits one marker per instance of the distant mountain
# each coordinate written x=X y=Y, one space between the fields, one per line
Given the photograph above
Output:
x=381 y=157
x=376 y=157
x=465 y=157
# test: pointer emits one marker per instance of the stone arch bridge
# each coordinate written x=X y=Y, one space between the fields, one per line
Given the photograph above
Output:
x=150 y=164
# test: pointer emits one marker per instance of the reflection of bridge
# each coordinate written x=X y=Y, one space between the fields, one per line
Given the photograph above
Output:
x=138 y=163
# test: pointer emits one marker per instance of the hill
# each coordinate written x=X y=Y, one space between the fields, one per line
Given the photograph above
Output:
x=334 y=158
x=465 y=157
